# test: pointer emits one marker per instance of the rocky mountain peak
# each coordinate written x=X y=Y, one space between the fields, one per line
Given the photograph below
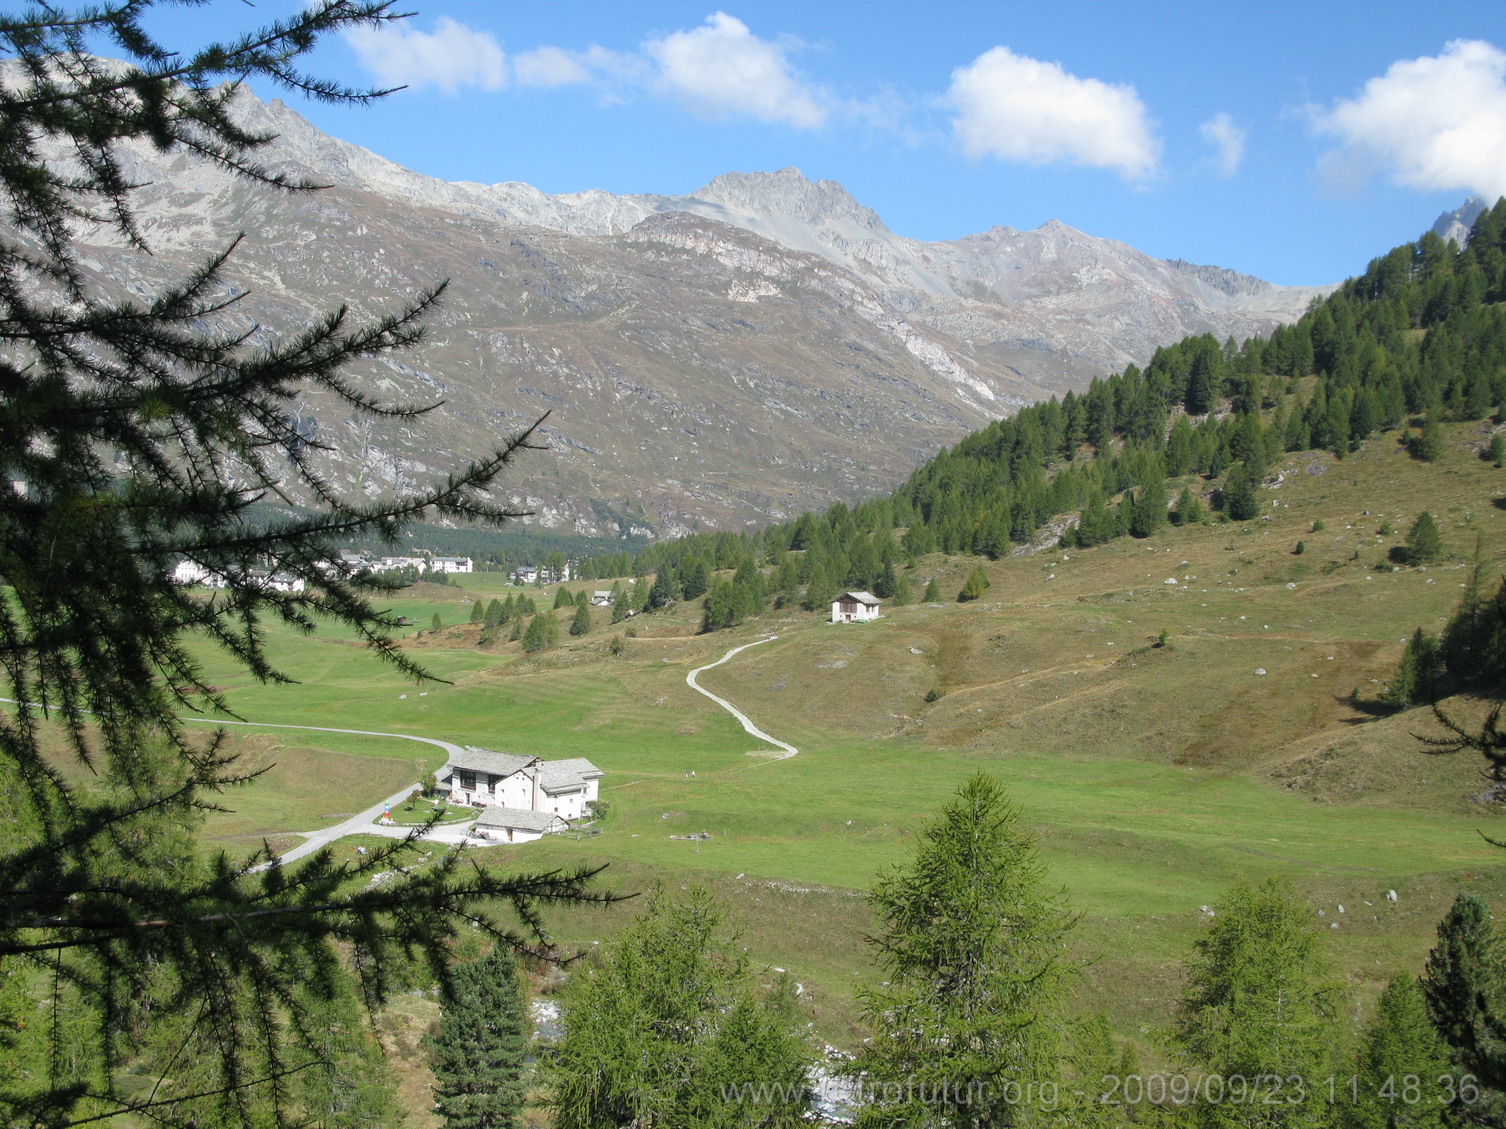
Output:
x=1454 y=227
x=790 y=192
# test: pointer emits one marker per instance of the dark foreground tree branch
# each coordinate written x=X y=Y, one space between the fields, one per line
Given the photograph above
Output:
x=137 y=427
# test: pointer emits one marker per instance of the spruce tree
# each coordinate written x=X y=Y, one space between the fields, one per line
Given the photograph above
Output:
x=143 y=421
x=932 y=593
x=478 y=612
x=970 y=939
x=478 y=1050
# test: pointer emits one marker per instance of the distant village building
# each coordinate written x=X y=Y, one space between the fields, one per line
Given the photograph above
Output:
x=191 y=573
x=600 y=599
x=276 y=581
x=854 y=607
x=451 y=564
x=526 y=574
x=397 y=564
x=522 y=797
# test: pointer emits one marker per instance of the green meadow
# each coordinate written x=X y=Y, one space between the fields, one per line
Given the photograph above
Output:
x=1155 y=775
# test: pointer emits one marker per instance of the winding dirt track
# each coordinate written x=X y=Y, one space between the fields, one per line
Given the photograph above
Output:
x=747 y=723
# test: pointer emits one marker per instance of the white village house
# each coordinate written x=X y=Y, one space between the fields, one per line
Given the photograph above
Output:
x=854 y=607
x=521 y=797
x=452 y=564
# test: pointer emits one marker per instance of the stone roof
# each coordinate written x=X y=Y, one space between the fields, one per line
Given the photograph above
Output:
x=520 y=819
x=490 y=760
x=861 y=597
x=559 y=776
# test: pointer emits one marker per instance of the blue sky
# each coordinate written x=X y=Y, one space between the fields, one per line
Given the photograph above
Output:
x=1293 y=141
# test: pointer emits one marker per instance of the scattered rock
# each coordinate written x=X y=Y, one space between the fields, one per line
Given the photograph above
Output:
x=1390 y=895
x=1260 y=670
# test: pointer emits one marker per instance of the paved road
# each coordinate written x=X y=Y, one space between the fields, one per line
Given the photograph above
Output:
x=690 y=680
x=364 y=823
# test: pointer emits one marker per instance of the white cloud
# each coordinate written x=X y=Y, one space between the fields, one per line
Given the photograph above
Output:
x=1227 y=139
x=450 y=57
x=721 y=69
x=1435 y=123
x=557 y=66
x=1021 y=109
x=549 y=66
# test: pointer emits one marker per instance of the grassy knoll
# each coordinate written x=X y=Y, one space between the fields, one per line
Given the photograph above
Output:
x=1156 y=775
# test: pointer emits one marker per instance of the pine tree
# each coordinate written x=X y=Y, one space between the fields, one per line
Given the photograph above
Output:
x=436 y=623
x=1495 y=450
x=479 y=1047
x=668 y=1023
x=562 y=598
x=1148 y=512
x=904 y=592
x=144 y=424
x=478 y=612
x=932 y=593
x=494 y=615
x=580 y=623
x=1466 y=999
x=1260 y=1003
x=1428 y=446
x=543 y=631
x=1416 y=674
x=1398 y=1068
x=974 y=586
x=1240 y=498
x=1424 y=540
x=971 y=944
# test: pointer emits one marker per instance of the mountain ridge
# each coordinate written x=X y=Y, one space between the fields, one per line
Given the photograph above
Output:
x=763 y=346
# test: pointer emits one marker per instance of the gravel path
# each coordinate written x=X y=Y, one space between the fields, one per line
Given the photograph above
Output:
x=690 y=680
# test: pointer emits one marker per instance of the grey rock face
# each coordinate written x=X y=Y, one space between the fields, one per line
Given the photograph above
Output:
x=763 y=346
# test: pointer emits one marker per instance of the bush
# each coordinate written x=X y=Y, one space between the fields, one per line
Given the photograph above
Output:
x=1299 y=548
x=935 y=694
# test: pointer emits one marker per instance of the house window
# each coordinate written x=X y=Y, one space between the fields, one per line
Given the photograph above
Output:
x=467 y=780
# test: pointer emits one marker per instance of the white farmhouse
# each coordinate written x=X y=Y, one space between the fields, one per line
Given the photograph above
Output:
x=601 y=599
x=522 y=797
x=854 y=607
x=189 y=572
x=452 y=564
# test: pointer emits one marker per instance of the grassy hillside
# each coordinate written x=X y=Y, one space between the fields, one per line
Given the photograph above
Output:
x=1155 y=775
